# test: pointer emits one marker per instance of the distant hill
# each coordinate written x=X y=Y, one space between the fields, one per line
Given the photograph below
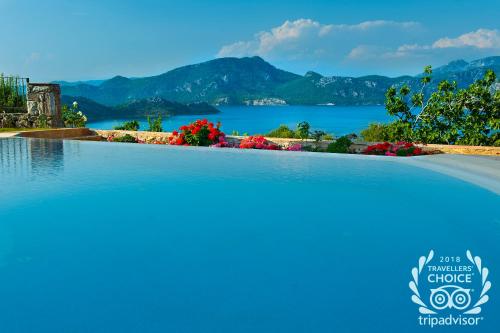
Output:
x=138 y=108
x=220 y=81
x=76 y=83
x=464 y=73
x=314 y=88
x=253 y=81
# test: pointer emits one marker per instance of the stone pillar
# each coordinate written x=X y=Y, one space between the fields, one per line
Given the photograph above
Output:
x=45 y=99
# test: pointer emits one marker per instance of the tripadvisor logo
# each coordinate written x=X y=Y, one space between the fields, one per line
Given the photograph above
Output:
x=449 y=290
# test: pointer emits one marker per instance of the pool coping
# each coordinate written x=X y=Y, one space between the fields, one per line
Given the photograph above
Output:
x=480 y=170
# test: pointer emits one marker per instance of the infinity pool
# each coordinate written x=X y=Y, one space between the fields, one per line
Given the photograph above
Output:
x=105 y=237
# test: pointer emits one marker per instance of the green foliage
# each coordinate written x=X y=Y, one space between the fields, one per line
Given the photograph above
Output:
x=313 y=148
x=375 y=133
x=155 y=124
x=126 y=138
x=317 y=135
x=496 y=139
x=393 y=132
x=341 y=145
x=42 y=121
x=282 y=132
x=448 y=115
x=73 y=117
x=12 y=92
x=128 y=126
x=303 y=130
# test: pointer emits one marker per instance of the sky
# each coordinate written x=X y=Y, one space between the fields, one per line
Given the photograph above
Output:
x=98 y=39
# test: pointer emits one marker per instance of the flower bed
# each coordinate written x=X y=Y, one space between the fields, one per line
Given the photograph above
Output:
x=205 y=133
x=198 y=133
x=394 y=149
x=257 y=142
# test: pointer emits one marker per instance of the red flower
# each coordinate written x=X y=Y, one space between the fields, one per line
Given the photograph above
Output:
x=397 y=149
x=257 y=142
x=199 y=131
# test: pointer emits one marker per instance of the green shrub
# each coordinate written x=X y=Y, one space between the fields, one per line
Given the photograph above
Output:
x=73 y=117
x=317 y=135
x=313 y=148
x=12 y=91
x=303 y=130
x=128 y=126
x=126 y=138
x=155 y=124
x=496 y=139
x=282 y=132
x=341 y=145
x=375 y=133
x=42 y=121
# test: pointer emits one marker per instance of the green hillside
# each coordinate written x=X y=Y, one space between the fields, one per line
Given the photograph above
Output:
x=254 y=81
x=138 y=108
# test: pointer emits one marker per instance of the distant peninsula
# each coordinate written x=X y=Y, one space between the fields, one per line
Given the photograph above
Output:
x=138 y=108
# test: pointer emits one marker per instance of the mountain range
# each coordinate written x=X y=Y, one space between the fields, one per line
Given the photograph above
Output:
x=253 y=81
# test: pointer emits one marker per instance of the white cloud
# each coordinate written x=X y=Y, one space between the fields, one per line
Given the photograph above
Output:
x=376 y=46
x=367 y=25
x=303 y=34
x=36 y=58
x=238 y=49
x=362 y=52
x=481 y=39
x=265 y=42
x=33 y=57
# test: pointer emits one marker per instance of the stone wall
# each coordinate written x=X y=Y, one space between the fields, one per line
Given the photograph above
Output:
x=43 y=105
x=26 y=120
x=357 y=147
x=151 y=137
x=45 y=99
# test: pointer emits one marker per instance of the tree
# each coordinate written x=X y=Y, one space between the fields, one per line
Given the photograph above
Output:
x=303 y=130
x=155 y=124
x=449 y=115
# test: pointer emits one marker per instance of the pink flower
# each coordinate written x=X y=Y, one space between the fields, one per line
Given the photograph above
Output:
x=295 y=147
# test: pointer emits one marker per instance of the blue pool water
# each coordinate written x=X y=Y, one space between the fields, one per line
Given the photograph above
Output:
x=338 y=120
x=108 y=237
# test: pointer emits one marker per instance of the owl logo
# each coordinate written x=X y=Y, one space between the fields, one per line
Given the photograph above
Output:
x=450 y=296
